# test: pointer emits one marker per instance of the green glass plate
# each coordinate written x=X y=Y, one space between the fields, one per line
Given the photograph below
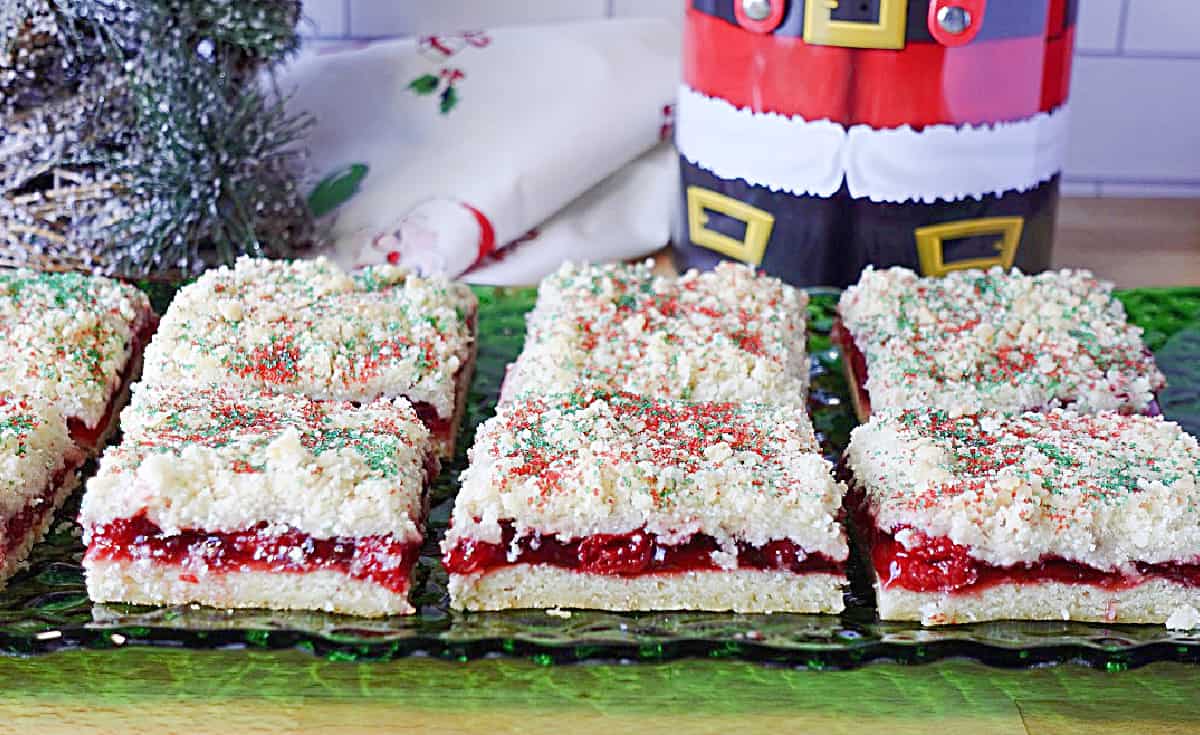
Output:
x=46 y=609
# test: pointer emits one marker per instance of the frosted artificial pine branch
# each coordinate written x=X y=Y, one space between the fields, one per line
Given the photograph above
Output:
x=162 y=109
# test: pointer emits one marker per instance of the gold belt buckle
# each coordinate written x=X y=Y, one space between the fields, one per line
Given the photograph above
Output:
x=759 y=224
x=821 y=28
x=931 y=243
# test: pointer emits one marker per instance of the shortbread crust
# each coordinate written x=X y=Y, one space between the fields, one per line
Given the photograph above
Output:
x=150 y=584
x=738 y=590
x=1152 y=602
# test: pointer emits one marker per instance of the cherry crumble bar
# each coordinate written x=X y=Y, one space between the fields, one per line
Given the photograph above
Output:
x=253 y=499
x=75 y=340
x=307 y=327
x=993 y=341
x=41 y=465
x=623 y=502
x=724 y=335
x=1048 y=515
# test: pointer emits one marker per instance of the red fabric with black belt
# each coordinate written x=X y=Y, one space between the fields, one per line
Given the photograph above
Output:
x=994 y=78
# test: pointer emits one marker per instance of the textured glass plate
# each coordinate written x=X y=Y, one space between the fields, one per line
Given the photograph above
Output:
x=46 y=609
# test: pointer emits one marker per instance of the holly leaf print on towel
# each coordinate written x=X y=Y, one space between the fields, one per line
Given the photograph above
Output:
x=445 y=80
x=449 y=99
x=335 y=189
x=425 y=84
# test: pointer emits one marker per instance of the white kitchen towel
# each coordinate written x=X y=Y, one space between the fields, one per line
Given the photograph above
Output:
x=625 y=216
x=437 y=152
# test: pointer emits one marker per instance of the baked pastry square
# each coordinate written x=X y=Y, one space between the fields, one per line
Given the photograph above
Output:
x=75 y=340
x=724 y=335
x=307 y=327
x=993 y=341
x=252 y=499
x=625 y=502
x=41 y=465
x=1042 y=516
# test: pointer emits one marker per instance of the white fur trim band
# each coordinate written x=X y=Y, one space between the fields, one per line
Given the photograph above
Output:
x=940 y=162
x=776 y=151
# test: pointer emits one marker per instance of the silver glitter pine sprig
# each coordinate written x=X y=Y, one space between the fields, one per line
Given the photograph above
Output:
x=144 y=138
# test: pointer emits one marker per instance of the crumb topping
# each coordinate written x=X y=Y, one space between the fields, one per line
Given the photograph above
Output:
x=34 y=444
x=67 y=336
x=724 y=335
x=221 y=459
x=307 y=327
x=585 y=463
x=977 y=340
x=1105 y=490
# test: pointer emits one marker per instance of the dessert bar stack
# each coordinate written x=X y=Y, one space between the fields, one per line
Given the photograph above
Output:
x=652 y=450
x=279 y=450
x=1050 y=515
x=1014 y=464
x=72 y=344
x=245 y=498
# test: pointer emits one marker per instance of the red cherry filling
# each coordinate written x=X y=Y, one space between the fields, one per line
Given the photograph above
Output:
x=629 y=555
x=382 y=560
x=932 y=564
x=18 y=526
x=858 y=363
x=437 y=425
x=937 y=564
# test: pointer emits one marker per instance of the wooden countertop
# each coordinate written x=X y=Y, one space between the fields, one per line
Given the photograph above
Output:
x=1133 y=242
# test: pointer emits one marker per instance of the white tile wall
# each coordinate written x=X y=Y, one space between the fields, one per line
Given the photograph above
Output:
x=324 y=19
x=1163 y=27
x=1149 y=191
x=1080 y=189
x=1132 y=120
x=649 y=8
x=1099 y=27
x=1135 y=94
x=406 y=17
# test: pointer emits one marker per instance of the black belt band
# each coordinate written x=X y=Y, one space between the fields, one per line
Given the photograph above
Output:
x=826 y=241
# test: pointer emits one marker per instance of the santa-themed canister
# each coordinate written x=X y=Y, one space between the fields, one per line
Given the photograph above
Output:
x=819 y=136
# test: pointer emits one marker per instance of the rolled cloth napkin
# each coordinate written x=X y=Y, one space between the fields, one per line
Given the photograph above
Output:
x=440 y=152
